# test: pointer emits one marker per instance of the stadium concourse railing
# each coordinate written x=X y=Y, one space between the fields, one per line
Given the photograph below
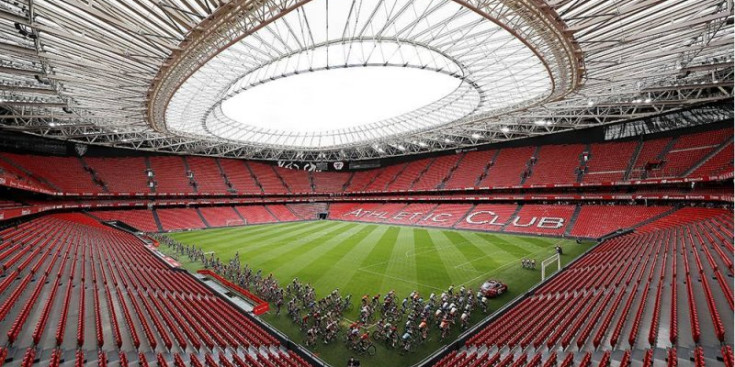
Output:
x=141 y=203
x=9 y=181
x=260 y=307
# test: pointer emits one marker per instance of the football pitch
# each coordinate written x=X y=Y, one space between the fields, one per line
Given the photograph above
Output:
x=361 y=258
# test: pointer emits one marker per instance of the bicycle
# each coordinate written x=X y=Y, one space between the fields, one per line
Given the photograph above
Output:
x=408 y=347
x=365 y=348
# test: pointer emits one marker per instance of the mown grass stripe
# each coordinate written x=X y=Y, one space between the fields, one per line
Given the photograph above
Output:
x=374 y=264
x=504 y=245
x=400 y=265
x=349 y=266
x=432 y=269
x=310 y=262
x=266 y=233
x=226 y=233
x=337 y=254
x=297 y=247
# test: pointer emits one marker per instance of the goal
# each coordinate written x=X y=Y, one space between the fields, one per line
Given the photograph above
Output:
x=550 y=261
x=236 y=222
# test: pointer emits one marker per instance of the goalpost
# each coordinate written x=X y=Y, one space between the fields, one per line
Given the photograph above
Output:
x=236 y=222
x=555 y=258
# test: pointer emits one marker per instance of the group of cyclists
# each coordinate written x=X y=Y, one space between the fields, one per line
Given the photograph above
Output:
x=407 y=323
x=528 y=264
x=394 y=322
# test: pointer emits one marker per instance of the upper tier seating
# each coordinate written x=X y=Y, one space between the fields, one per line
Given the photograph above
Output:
x=298 y=181
x=267 y=177
x=650 y=153
x=385 y=177
x=207 y=174
x=494 y=169
x=470 y=169
x=328 y=182
x=361 y=179
x=612 y=301
x=239 y=176
x=508 y=167
x=66 y=173
x=608 y=161
x=409 y=174
x=170 y=175
x=436 y=173
x=688 y=150
x=555 y=164
x=10 y=171
x=121 y=174
x=83 y=290
x=721 y=163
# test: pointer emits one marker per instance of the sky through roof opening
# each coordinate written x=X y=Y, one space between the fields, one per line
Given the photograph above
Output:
x=336 y=99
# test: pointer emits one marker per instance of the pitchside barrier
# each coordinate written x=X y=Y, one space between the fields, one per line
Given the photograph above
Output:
x=260 y=306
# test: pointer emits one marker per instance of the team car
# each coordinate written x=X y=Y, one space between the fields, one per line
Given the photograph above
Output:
x=493 y=288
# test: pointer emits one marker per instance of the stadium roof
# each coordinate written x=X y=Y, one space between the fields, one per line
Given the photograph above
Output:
x=208 y=76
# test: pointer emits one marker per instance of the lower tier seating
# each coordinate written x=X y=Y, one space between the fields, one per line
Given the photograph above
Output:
x=549 y=220
x=607 y=306
x=308 y=211
x=179 y=218
x=76 y=292
x=282 y=213
x=221 y=216
x=598 y=220
x=139 y=219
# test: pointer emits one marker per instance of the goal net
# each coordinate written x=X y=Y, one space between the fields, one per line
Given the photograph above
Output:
x=236 y=222
x=550 y=262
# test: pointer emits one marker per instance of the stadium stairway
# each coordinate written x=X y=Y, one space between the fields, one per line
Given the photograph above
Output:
x=157 y=220
x=633 y=159
x=725 y=144
x=93 y=175
x=513 y=215
x=201 y=216
x=573 y=220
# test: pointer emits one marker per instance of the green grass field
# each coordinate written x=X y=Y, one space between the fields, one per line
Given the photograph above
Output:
x=361 y=258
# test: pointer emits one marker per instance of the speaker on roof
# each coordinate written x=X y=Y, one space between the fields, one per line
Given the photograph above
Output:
x=80 y=149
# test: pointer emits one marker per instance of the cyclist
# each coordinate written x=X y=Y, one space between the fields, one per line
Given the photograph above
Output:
x=423 y=330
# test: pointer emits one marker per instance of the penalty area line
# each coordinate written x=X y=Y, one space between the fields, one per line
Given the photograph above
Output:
x=399 y=279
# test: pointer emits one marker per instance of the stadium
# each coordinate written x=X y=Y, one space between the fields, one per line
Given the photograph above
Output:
x=288 y=183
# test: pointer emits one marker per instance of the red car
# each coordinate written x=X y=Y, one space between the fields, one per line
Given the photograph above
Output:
x=493 y=288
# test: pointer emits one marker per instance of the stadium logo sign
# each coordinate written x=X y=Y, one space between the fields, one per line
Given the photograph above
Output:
x=479 y=218
x=487 y=217
x=339 y=165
